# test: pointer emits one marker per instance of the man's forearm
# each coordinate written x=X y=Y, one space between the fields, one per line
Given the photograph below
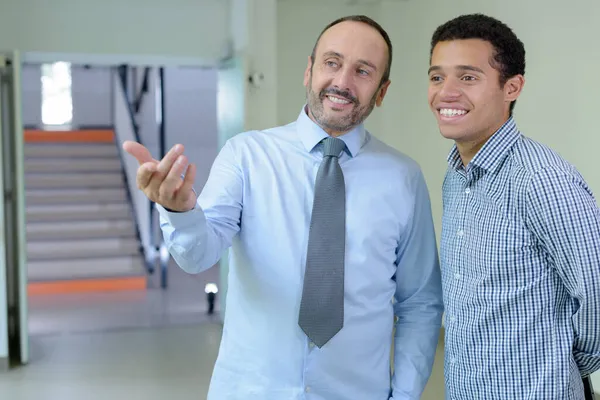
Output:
x=190 y=239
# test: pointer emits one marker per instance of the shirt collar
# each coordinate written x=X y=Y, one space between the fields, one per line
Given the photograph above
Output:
x=493 y=151
x=311 y=134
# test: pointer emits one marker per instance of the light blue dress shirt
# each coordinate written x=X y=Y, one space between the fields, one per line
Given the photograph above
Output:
x=258 y=201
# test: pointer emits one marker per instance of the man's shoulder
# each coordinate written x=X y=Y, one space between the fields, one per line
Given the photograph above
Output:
x=537 y=158
x=261 y=137
x=391 y=156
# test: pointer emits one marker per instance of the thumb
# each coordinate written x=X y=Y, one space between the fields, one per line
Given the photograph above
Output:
x=141 y=154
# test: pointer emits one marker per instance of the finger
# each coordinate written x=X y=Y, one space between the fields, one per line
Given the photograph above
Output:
x=169 y=159
x=144 y=174
x=154 y=184
x=141 y=154
x=173 y=179
x=188 y=182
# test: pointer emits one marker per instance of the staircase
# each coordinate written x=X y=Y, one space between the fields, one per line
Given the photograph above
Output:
x=81 y=231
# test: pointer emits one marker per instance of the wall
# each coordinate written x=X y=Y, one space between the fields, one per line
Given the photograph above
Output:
x=91 y=92
x=178 y=28
x=31 y=95
x=191 y=115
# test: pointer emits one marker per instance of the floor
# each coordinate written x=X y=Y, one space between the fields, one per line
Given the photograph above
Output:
x=183 y=303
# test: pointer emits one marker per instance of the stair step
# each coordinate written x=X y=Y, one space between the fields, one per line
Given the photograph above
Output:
x=107 y=267
x=80 y=229
x=74 y=180
x=70 y=150
x=57 y=165
x=77 y=196
x=81 y=249
x=81 y=212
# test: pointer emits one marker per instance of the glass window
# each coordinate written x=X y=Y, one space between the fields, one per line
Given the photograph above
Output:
x=57 y=102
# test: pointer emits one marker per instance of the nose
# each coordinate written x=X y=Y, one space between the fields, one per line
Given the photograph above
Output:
x=343 y=79
x=449 y=89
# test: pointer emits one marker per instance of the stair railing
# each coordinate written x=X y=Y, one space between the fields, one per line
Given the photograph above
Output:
x=126 y=128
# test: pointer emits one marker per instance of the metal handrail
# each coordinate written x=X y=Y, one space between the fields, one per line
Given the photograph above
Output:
x=123 y=74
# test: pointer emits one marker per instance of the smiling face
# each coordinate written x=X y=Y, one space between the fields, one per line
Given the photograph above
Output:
x=343 y=84
x=466 y=94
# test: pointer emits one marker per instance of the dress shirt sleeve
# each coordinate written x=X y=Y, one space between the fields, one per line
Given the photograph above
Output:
x=418 y=304
x=196 y=239
x=564 y=216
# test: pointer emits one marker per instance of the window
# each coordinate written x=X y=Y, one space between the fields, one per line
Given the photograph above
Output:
x=57 y=103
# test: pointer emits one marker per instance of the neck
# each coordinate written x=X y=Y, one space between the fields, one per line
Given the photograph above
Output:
x=469 y=148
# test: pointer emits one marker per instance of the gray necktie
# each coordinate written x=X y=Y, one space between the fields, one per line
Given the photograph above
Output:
x=322 y=307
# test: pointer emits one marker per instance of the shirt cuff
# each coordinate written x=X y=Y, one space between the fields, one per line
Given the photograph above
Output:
x=183 y=219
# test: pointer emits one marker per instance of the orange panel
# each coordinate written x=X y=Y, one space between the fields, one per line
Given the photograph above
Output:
x=85 y=136
x=87 y=285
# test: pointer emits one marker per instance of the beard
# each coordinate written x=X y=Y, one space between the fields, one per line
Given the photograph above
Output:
x=330 y=121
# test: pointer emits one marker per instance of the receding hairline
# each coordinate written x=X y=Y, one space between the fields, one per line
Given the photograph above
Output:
x=327 y=29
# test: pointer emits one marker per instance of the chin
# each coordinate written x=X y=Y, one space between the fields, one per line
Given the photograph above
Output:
x=451 y=133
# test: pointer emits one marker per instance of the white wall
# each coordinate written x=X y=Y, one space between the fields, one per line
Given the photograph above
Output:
x=31 y=95
x=92 y=96
x=191 y=116
x=179 y=28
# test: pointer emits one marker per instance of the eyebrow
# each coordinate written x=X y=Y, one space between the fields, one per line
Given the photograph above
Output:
x=459 y=67
x=338 y=55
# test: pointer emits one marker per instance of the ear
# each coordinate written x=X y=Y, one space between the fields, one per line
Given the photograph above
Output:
x=513 y=88
x=307 y=71
x=382 y=91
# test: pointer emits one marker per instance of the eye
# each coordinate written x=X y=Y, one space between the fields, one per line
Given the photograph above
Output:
x=363 y=72
x=331 y=64
x=468 y=78
x=435 y=78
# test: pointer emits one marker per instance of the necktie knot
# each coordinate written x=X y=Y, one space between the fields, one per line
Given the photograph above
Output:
x=333 y=147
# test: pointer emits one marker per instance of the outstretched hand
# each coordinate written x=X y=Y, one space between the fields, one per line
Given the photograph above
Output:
x=161 y=181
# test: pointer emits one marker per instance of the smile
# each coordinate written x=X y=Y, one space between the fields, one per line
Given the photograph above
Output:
x=452 y=112
x=338 y=100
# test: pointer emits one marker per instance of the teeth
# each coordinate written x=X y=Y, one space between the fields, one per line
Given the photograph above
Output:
x=450 y=112
x=338 y=100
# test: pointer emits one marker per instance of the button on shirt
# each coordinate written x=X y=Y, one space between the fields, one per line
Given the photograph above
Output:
x=258 y=200
x=520 y=254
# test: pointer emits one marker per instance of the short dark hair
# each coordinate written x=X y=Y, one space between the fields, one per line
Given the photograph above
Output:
x=509 y=52
x=365 y=20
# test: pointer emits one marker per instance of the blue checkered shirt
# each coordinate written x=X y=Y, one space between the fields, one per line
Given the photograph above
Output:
x=520 y=253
